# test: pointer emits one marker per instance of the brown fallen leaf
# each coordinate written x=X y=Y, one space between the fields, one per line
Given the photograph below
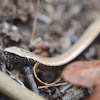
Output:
x=83 y=73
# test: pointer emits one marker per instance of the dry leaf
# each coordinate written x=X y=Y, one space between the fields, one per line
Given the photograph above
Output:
x=83 y=73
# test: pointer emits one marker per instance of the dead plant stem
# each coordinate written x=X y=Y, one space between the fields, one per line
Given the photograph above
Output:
x=34 y=23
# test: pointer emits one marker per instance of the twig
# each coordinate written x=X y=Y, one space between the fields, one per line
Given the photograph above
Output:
x=14 y=90
x=31 y=80
x=34 y=23
x=59 y=84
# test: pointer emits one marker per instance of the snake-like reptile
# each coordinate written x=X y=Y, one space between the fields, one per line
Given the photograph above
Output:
x=27 y=57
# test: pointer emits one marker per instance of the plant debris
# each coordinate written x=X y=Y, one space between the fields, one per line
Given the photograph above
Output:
x=83 y=73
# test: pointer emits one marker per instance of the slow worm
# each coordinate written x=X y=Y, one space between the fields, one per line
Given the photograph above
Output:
x=26 y=57
x=85 y=40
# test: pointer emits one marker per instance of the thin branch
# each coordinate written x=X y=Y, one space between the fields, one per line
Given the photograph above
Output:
x=34 y=23
x=30 y=79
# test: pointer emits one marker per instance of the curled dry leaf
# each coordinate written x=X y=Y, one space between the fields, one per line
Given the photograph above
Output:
x=83 y=73
x=40 y=47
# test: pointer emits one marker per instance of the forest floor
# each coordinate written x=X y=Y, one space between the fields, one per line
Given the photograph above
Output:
x=59 y=25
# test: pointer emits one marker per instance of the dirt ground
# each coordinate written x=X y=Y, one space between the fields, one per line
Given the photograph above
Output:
x=59 y=25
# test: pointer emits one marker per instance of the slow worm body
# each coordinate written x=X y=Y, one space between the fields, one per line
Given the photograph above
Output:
x=18 y=54
x=28 y=58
